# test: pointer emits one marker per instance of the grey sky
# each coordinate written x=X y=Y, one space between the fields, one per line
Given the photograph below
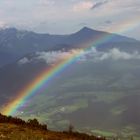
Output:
x=66 y=16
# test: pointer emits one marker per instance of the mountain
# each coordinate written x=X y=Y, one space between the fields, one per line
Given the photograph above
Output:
x=102 y=86
x=17 y=43
x=90 y=36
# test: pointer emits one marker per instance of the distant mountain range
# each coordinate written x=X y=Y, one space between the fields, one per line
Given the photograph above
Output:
x=17 y=43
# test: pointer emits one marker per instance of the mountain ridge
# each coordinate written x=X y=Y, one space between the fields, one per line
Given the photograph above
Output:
x=83 y=29
x=17 y=43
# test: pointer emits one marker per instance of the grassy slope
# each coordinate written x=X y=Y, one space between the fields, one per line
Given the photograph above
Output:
x=17 y=132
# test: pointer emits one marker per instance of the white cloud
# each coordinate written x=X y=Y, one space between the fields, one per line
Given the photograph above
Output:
x=82 y=6
x=116 y=54
x=56 y=56
x=88 y=55
x=24 y=60
x=51 y=57
x=112 y=54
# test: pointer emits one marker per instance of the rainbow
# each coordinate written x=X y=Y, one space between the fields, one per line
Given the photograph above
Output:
x=37 y=84
x=41 y=81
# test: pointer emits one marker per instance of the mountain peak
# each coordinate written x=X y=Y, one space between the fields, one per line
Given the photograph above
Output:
x=86 y=29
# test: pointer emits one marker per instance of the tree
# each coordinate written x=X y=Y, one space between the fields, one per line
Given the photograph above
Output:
x=70 y=129
x=33 y=122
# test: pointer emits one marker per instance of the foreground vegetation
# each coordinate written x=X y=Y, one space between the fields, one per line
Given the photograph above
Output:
x=17 y=129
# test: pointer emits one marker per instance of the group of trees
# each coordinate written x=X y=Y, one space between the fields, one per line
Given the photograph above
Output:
x=33 y=123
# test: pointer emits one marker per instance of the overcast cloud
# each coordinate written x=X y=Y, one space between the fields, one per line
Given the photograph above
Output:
x=66 y=16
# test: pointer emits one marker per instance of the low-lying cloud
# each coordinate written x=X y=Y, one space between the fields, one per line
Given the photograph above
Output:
x=87 y=55
x=116 y=54
x=56 y=56
x=24 y=60
x=51 y=57
x=113 y=54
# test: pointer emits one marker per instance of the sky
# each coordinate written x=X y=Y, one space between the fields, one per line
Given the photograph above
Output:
x=68 y=16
